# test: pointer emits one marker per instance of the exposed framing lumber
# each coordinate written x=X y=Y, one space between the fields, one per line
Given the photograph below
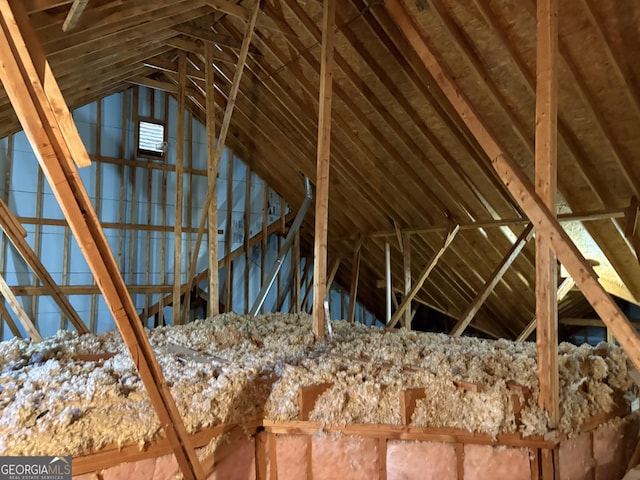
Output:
x=14 y=231
x=224 y=129
x=212 y=175
x=332 y=273
x=177 y=222
x=322 y=167
x=406 y=302
x=22 y=316
x=563 y=290
x=506 y=222
x=74 y=14
x=406 y=267
x=523 y=192
x=355 y=276
x=25 y=71
x=546 y=180
x=491 y=283
x=7 y=318
x=631 y=227
x=226 y=261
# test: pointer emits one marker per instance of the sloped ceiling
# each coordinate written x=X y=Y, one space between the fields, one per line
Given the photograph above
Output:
x=401 y=160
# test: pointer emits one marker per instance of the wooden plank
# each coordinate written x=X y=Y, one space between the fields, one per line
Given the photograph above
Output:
x=247 y=221
x=563 y=290
x=406 y=266
x=546 y=173
x=523 y=192
x=15 y=305
x=322 y=168
x=222 y=137
x=74 y=14
x=261 y=455
x=212 y=184
x=388 y=283
x=459 y=461
x=273 y=456
x=494 y=279
x=7 y=318
x=534 y=463
x=406 y=302
x=408 y=400
x=178 y=199
x=355 y=275
x=8 y=224
x=296 y=300
x=23 y=68
x=332 y=272
x=382 y=458
x=307 y=397
x=228 y=238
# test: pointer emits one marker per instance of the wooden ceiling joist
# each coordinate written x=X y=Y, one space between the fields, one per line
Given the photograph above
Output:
x=23 y=68
x=523 y=192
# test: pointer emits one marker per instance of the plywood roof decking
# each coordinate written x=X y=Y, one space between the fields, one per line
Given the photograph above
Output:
x=399 y=153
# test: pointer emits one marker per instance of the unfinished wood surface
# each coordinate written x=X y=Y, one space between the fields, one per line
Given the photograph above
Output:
x=406 y=266
x=406 y=302
x=220 y=145
x=178 y=200
x=408 y=399
x=321 y=229
x=355 y=275
x=488 y=287
x=14 y=231
x=9 y=320
x=563 y=290
x=523 y=192
x=18 y=309
x=307 y=397
x=546 y=153
x=212 y=184
x=23 y=69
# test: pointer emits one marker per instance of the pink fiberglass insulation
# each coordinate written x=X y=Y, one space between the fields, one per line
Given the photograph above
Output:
x=408 y=460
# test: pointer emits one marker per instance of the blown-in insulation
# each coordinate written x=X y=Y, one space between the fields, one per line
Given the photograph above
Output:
x=241 y=367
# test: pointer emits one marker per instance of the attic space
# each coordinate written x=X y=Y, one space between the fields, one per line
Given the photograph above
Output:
x=368 y=239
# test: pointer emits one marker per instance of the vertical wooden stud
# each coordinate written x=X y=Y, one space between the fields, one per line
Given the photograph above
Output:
x=212 y=175
x=322 y=168
x=546 y=188
x=406 y=264
x=177 y=224
x=229 y=236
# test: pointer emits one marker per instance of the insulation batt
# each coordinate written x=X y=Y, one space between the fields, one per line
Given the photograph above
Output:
x=49 y=400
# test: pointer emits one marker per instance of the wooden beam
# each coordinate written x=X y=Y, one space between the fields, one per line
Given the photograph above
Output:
x=631 y=229
x=177 y=222
x=212 y=175
x=222 y=137
x=14 y=232
x=546 y=173
x=523 y=192
x=563 y=290
x=22 y=316
x=23 y=69
x=7 y=318
x=489 y=286
x=505 y=222
x=322 y=167
x=355 y=275
x=74 y=14
x=406 y=302
x=406 y=265
x=332 y=272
